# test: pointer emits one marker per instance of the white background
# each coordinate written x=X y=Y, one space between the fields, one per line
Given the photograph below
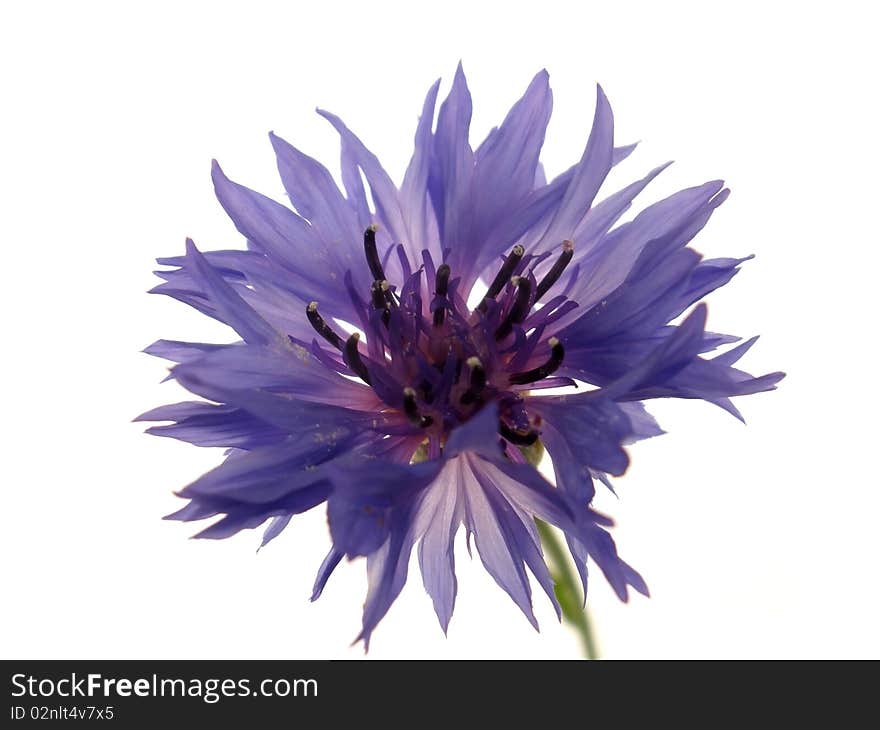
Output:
x=757 y=541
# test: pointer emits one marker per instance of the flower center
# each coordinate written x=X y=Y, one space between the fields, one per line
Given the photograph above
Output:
x=439 y=369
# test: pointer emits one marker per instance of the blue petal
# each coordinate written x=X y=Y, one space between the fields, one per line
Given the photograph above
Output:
x=643 y=424
x=277 y=294
x=365 y=493
x=178 y=351
x=279 y=232
x=288 y=369
x=451 y=179
x=644 y=302
x=275 y=528
x=421 y=221
x=354 y=185
x=437 y=520
x=385 y=195
x=387 y=569
x=479 y=434
x=615 y=256
x=589 y=174
x=268 y=475
x=619 y=154
x=516 y=505
x=314 y=194
x=496 y=544
x=523 y=486
x=231 y=308
x=209 y=424
x=592 y=427
x=506 y=163
x=628 y=367
x=325 y=571
x=598 y=220
x=708 y=276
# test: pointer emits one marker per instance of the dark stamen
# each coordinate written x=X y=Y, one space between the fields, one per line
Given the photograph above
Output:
x=520 y=307
x=477 y=381
x=520 y=438
x=377 y=291
x=557 y=354
x=321 y=327
x=412 y=410
x=503 y=275
x=352 y=357
x=558 y=267
x=441 y=287
x=372 y=254
x=441 y=281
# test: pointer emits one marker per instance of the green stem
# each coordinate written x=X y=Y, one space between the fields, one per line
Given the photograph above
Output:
x=567 y=592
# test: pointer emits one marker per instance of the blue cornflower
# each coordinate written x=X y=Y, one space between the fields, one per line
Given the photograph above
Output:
x=363 y=379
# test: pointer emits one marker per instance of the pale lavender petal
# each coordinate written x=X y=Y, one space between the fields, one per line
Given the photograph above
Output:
x=317 y=199
x=495 y=546
x=451 y=183
x=385 y=194
x=421 y=221
x=588 y=176
x=437 y=520
x=231 y=307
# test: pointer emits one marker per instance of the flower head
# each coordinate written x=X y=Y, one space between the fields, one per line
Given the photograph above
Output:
x=364 y=380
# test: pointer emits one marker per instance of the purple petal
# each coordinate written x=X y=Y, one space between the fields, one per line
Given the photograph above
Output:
x=617 y=253
x=324 y=572
x=314 y=194
x=480 y=434
x=386 y=572
x=232 y=309
x=437 y=519
x=619 y=154
x=275 y=528
x=208 y=424
x=279 y=232
x=289 y=369
x=385 y=195
x=365 y=493
x=415 y=200
x=452 y=174
x=497 y=546
x=643 y=424
x=507 y=162
x=177 y=351
x=588 y=176
x=599 y=219
x=594 y=429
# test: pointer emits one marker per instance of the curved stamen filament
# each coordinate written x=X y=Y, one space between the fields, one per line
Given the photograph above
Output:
x=321 y=327
x=352 y=357
x=556 y=271
x=519 y=309
x=557 y=355
x=372 y=254
x=503 y=275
